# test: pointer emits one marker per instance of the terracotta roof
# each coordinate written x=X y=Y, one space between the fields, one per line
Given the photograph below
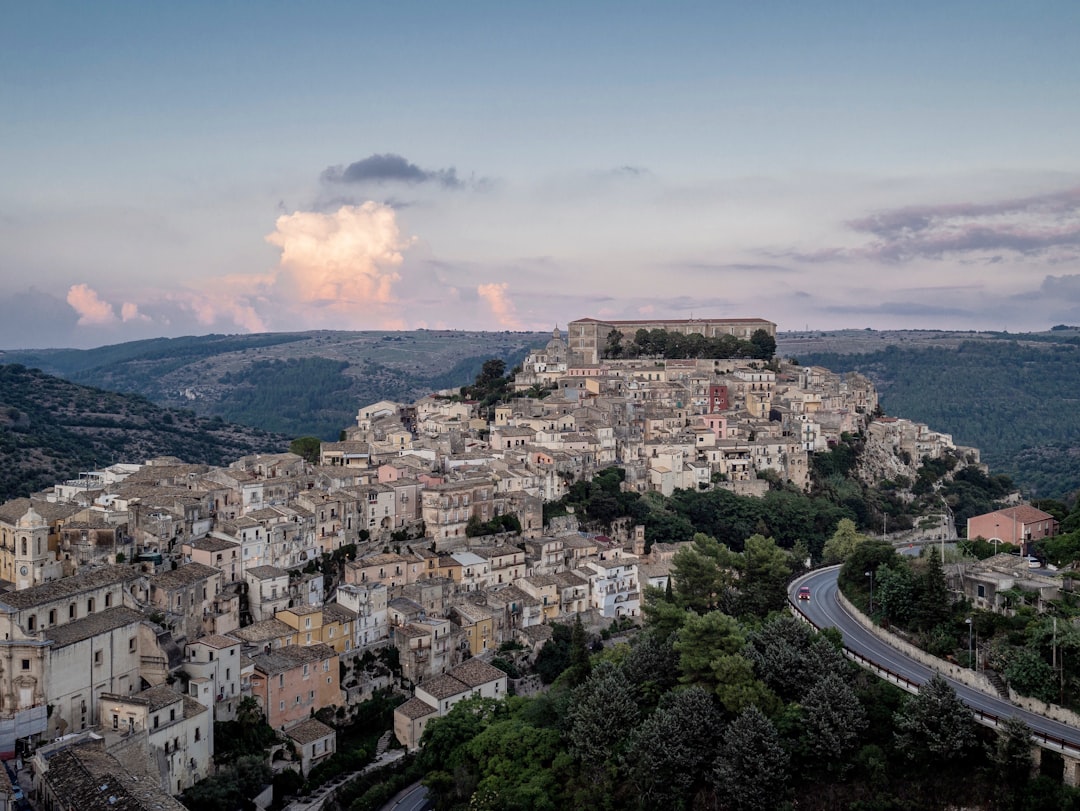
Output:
x=183 y=576
x=309 y=731
x=416 y=708
x=473 y=673
x=293 y=656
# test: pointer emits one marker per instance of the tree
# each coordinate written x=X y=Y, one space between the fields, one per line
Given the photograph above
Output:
x=764 y=344
x=833 y=722
x=669 y=754
x=613 y=348
x=1012 y=754
x=843 y=542
x=702 y=641
x=935 y=727
x=934 y=605
x=751 y=770
x=894 y=592
x=601 y=717
x=766 y=570
x=703 y=574
x=309 y=447
x=580 y=666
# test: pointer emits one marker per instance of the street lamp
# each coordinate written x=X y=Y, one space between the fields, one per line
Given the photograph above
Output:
x=870 y=574
x=969 y=624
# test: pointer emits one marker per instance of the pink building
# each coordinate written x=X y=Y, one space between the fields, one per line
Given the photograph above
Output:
x=1021 y=524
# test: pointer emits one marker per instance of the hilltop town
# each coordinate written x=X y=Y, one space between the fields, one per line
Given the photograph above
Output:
x=147 y=600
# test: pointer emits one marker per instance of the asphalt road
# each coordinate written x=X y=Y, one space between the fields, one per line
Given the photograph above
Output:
x=825 y=611
x=415 y=799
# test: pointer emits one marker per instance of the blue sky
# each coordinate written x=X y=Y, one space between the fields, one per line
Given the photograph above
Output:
x=227 y=167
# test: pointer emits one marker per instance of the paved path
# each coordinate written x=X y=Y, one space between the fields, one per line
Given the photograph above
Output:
x=315 y=800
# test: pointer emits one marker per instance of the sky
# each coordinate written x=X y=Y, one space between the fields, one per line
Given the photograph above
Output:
x=190 y=168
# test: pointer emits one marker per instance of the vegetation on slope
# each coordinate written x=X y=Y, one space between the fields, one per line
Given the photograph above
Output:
x=51 y=429
x=1014 y=400
x=307 y=383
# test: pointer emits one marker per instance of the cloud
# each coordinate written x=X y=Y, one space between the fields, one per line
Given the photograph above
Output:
x=129 y=311
x=390 y=168
x=500 y=304
x=92 y=310
x=338 y=262
x=1046 y=225
x=1062 y=288
x=899 y=308
x=736 y=267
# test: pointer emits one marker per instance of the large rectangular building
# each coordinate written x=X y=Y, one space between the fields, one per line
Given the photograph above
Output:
x=586 y=337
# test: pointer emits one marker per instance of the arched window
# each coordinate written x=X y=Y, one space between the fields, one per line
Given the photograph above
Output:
x=24 y=546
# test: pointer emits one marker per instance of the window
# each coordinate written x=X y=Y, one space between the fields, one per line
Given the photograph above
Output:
x=31 y=622
x=198 y=733
x=52 y=616
x=108 y=599
x=25 y=664
x=281 y=705
x=99 y=657
x=90 y=606
x=311 y=695
x=305 y=670
x=71 y=611
x=172 y=715
x=157 y=721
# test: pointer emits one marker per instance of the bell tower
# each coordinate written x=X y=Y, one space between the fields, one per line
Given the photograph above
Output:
x=31 y=549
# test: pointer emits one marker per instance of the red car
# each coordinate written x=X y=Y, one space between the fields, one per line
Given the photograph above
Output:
x=804 y=592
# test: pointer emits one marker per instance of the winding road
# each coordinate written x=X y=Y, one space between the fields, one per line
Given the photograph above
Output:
x=824 y=610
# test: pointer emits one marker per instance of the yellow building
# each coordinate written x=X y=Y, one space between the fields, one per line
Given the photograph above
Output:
x=333 y=625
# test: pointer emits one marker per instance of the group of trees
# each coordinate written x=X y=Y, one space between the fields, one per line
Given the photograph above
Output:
x=723 y=701
x=659 y=343
x=1010 y=399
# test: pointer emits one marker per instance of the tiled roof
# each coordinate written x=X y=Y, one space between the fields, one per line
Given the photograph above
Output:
x=218 y=641
x=263 y=631
x=88 y=778
x=473 y=673
x=416 y=708
x=283 y=659
x=98 y=623
x=443 y=686
x=68 y=586
x=183 y=576
x=309 y=731
x=266 y=572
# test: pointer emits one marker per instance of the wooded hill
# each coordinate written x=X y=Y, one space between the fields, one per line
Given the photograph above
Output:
x=304 y=383
x=1012 y=396
x=51 y=429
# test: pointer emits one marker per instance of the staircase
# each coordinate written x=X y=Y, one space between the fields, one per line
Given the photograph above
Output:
x=999 y=683
x=384 y=743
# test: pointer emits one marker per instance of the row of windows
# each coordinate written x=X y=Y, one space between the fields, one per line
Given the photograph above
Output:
x=31 y=621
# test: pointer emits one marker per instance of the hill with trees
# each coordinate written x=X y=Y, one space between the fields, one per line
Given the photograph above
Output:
x=304 y=383
x=1012 y=396
x=52 y=429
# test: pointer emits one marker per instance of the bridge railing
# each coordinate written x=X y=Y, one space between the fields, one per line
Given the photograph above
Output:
x=1061 y=745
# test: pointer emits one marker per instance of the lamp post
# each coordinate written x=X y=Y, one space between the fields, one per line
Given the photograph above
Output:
x=870 y=574
x=969 y=624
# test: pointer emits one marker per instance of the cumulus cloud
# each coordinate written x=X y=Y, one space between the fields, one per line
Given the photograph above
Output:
x=129 y=311
x=499 y=302
x=209 y=310
x=340 y=261
x=390 y=168
x=92 y=309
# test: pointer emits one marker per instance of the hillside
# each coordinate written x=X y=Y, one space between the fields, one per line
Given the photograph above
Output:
x=51 y=429
x=306 y=383
x=1012 y=396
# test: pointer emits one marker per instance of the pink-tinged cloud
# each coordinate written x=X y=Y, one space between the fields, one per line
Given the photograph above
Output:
x=129 y=311
x=501 y=306
x=340 y=261
x=209 y=310
x=92 y=310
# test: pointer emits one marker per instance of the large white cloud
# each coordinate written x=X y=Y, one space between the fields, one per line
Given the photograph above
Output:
x=340 y=261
